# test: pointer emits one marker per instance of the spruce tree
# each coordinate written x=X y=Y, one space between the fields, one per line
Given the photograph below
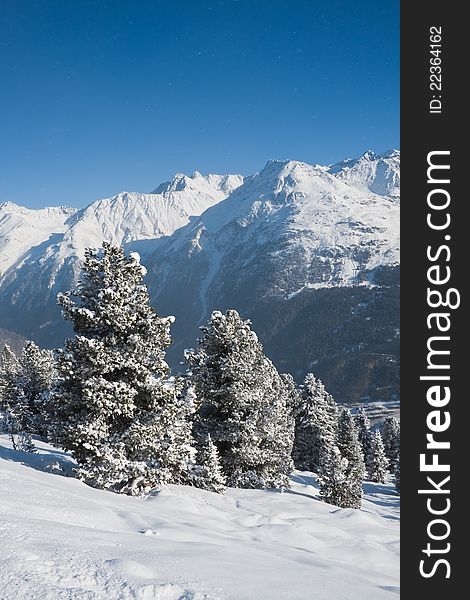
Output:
x=20 y=440
x=125 y=420
x=332 y=477
x=391 y=439
x=355 y=475
x=36 y=372
x=364 y=434
x=350 y=449
x=8 y=376
x=25 y=384
x=397 y=475
x=341 y=480
x=13 y=405
x=207 y=473
x=347 y=435
x=376 y=461
x=293 y=395
x=315 y=424
x=243 y=404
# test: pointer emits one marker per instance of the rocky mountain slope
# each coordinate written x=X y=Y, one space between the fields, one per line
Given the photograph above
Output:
x=12 y=339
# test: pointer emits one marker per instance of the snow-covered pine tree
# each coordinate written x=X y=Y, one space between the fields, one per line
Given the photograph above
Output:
x=8 y=375
x=293 y=395
x=341 y=480
x=125 y=420
x=364 y=433
x=315 y=424
x=20 y=440
x=207 y=473
x=350 y=448
x=12 y=405
x=391 y=439
x=36 y=372
x=347 y=435
x=243 y=404
x=332 y=477
x=25 y=383
x=376 y=461
x=355 y=472
x=397 y=475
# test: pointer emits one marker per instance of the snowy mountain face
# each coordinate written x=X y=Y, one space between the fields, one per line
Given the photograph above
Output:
x=200 y=185
x=290 y=231
x=377 y=173
x=124 y=218
x=35 y=273
x=309 y=253
x=23 y=231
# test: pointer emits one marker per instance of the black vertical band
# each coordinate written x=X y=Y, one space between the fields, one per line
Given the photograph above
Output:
x=435 y=238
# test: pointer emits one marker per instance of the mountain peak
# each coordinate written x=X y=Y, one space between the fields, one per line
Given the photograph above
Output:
x=8 y=205
x=198 y=182
x=176 y=184
x=274 y=163
x=392 y=153
x=371 y=155
x=12 y=207
x=282 y=168
x=377 y=173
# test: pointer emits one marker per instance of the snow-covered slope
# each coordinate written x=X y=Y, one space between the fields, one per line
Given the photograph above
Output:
x=321 y=231
x=61 y=539
x=377 y=173
x=23 y=231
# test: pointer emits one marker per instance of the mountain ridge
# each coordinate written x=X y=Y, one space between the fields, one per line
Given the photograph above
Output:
x=309 y=240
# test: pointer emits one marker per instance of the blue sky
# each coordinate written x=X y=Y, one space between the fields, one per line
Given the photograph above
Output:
x=99 y=97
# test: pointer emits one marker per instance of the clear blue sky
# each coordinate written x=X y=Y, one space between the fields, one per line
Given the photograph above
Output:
x=103 y=96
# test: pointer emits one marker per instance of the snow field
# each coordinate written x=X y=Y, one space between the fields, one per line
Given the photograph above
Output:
x=60 y=539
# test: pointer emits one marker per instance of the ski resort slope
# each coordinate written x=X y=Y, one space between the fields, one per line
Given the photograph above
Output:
x=60 y=539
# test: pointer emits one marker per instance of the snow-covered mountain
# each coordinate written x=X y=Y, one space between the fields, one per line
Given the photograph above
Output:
x=35 y=273
x=316 y=231
x=310 y=253
x=22 y=231
x=66 y=232
x=290 y=229
x=377 y=173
